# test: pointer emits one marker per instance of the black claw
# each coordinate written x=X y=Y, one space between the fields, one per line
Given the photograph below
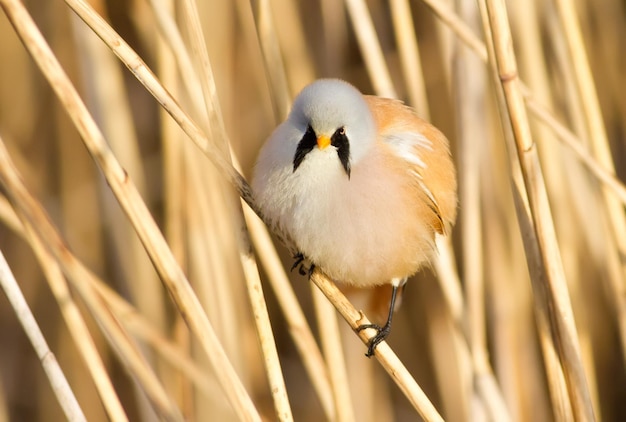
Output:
x=381 y=334
x=300 y=265
x=299 y=258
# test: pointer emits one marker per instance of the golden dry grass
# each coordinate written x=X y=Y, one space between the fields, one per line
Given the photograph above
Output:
x=121 y=224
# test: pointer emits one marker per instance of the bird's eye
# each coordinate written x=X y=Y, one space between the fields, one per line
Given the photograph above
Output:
x=341 y=131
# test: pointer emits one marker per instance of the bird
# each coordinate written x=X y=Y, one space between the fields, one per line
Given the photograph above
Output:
x=357 y=185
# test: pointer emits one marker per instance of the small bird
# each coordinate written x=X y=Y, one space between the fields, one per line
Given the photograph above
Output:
x=359 y=186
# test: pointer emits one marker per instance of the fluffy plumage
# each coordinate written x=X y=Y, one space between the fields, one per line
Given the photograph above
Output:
x=371 y=222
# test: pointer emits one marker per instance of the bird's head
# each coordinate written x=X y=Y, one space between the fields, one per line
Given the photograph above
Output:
x=333 y=118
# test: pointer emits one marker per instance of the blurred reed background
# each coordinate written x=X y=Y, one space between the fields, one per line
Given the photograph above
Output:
x=493 y=346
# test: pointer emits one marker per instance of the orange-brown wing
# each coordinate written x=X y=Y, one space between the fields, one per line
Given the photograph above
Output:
x=426 y=153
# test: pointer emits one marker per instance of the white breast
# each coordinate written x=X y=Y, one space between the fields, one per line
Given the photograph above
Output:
x=361 y=230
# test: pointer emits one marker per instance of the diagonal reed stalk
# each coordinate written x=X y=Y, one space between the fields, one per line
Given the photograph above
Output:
x=59 y=383
x=388 y=360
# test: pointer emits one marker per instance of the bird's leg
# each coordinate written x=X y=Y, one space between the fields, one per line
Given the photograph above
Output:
x=381 y=332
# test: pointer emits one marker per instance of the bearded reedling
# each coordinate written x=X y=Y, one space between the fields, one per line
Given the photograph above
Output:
x=358 y=185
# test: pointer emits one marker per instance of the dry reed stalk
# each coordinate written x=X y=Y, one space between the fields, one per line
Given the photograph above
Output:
x=555 y=373
x=174 y=182
x=370 y=48
x=404 y=30
x=448 y=338
x=512 y=329
x=179 y=384
x=450 y=355
x=451 y=320
x=8 y=216
x=296 y=52
x=368 y=383
x=527 y=32
x=209 y=265
x=213 y=255
x=560 y=400
x=567 y=182
x=330 y=337
x=32 y=213
x=334 y=42
x=131 y=202
x=255 y=61
x=592 y=113
x=469 y=89
x=58 y=382
x=556 y=287
x=591 y=128
x=106 y=93
x=296 y=321
x=587 y=205
x=74 y=320
x=388 y=360
x=266 y=338
x=204 y=196
x=272 y=58
x=447 y=15
x=200 y=58
x=475 y=376
x=171 y=36
x=448 y=279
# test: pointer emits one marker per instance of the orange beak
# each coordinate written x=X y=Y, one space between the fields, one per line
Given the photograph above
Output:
x=323 y=141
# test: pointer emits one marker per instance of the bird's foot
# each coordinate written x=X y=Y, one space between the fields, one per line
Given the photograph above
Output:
x=381 y=334
x=304 y=267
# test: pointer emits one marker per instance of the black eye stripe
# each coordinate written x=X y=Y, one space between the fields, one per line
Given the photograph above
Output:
x=307 y=143
x=340 y=141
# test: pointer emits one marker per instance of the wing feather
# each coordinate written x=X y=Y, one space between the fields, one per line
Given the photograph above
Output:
x=426 y=153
